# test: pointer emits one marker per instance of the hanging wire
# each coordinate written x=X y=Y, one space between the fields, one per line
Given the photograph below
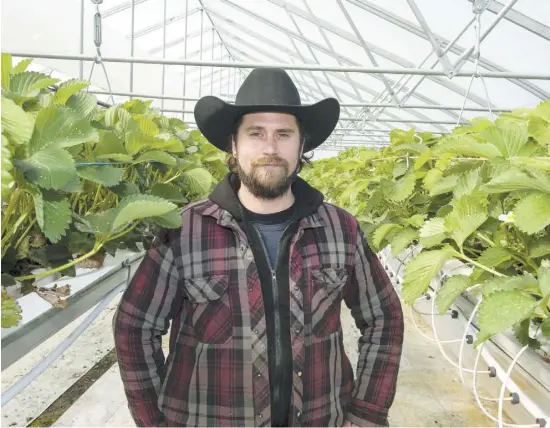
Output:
x=476 y=74
x=98 y=59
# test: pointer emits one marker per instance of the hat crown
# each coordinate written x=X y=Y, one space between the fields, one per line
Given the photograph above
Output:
x=267 y=87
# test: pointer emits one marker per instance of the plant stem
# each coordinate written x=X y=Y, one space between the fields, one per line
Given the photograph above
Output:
x=479 y=265
x=61 y=268
x=25 y=233
x=173 y=178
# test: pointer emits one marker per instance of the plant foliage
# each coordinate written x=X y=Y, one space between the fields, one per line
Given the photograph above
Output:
x=480 y=194
x=78 y=179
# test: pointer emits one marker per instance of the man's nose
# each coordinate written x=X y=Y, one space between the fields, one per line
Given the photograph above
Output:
x=270 y=145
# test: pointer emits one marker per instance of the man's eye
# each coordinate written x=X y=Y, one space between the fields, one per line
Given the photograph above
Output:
x=255 y=134
x=284 y=135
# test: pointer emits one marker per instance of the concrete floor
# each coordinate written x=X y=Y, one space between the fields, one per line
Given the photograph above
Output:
x=429 y=393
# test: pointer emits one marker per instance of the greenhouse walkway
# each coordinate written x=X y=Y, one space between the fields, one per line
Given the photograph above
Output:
x=429 y=393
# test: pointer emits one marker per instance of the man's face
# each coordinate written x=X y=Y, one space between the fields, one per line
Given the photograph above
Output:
x=268 y=150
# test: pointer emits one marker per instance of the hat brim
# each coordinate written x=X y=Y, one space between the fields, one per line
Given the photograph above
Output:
x=216 y=118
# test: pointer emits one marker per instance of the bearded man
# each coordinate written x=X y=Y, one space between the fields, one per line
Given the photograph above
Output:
x=253 y=284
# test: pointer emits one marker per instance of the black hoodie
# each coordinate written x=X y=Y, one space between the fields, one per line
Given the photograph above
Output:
x=275 y=292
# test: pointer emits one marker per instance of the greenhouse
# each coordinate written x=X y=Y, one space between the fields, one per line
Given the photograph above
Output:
x=438 y=155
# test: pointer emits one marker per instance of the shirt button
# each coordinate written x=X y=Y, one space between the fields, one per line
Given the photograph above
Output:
x=256 y=332
x=297 y=330
x=259 y=375
x=260 y=416
x=299 y=414
x=250 y=289
x=296 y=288
x=299 y=374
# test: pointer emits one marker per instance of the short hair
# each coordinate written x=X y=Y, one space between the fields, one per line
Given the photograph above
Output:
x=304 y=138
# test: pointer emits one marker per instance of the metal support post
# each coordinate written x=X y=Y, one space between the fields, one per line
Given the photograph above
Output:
x=81 y=65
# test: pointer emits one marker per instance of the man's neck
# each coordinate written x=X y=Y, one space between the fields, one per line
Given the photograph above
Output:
x=265 y=206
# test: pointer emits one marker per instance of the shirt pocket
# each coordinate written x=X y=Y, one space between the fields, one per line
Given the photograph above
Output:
x=211 y=314
x=326 y=296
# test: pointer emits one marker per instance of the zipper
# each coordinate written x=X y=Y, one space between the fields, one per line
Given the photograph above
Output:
x=276 y=310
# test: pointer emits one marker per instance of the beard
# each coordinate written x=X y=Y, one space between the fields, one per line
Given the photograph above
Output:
x=267 y=183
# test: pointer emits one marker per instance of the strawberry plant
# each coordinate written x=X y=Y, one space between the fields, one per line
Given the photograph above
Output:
x=480 y=194
x=79 y=181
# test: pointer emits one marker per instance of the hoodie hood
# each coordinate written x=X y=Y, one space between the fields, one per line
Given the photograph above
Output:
x=307 y=198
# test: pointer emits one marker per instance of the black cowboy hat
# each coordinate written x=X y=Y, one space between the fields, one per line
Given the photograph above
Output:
x=265 y=89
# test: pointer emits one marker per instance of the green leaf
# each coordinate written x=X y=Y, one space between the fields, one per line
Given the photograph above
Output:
x=514 y=179
x=6 y=71
x=68 y=88
x=11 y=311
x=137 y=207
x=545 y=328
x=22 y=65
x=521 y=331
x=433 y=232
x=148 y=126
x=537 y=162
x=156 y=156
x=29 y=83
x=421 y=270
x=169 y=192
x=17 y=125
x=197 y=180
x=504 y=309
x=466 y=145
x=109 y=143
x=381 y=233
x=171 y=220
x=432 y=178
x=444 y=185
x=402 y=240
x=544 y=280
x=416 y=220
x=403 y=188
x=539 y=129
x=509 y=139
x=99 y=223
x=451 y=289
x=494 y=256
x=525 y=282
x=60 y=126
x=136 y=142
x=533 y=212
x=7 y=280
x=125 y=188
x=83 y=102
x=539 y=249
x=467 y=183
x=53 y=214
x=468 y=214
x=104 y=175
x=423 y=158
x=51 y=168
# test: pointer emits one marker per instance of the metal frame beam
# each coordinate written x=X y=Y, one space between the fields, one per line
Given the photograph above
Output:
x=290 y=66
x=442 y=57
x=518 y=18
x=290 y=53
x=121 y=7
x=374 y=48
x=456 y=49
x=159 y=25
x=466 y=54
x=175 y=42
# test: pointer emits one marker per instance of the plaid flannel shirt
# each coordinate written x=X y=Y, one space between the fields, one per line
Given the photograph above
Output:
x=204 y=279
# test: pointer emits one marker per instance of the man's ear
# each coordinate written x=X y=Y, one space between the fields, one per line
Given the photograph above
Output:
x=233 y=146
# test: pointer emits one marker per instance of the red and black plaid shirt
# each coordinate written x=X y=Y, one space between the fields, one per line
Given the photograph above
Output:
x=204 y=278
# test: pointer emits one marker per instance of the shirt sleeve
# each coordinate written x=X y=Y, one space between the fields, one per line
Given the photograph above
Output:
x=143 y=316
x=377 y=311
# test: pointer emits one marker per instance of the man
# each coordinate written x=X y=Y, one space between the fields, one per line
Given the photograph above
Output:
x=253 y=285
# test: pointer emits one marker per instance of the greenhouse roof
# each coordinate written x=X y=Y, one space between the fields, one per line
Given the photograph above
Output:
x=391 y=64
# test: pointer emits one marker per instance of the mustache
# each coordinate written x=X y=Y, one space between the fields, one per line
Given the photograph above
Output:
x=272 y=160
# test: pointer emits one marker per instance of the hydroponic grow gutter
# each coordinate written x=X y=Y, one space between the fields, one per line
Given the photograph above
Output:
x=18 y=341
